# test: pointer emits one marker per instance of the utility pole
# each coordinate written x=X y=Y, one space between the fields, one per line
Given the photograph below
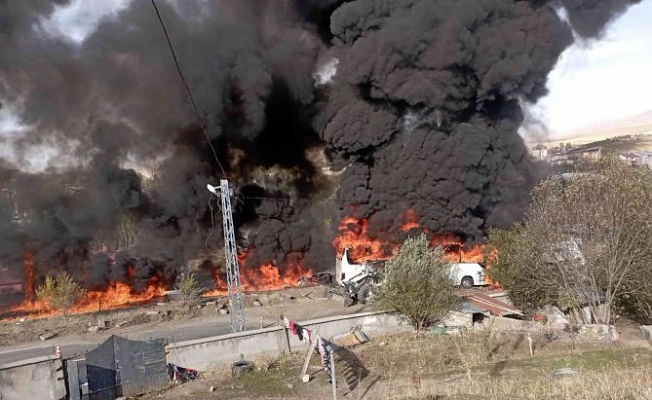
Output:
x=236 y=301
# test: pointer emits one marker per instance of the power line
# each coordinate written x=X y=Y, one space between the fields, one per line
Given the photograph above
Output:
x=185 y=84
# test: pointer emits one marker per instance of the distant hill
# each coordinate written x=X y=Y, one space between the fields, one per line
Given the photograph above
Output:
x=640 y=124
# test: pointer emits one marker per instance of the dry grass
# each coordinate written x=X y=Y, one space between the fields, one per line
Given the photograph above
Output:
x=611 y=383
x=263 y=362
x=476 y=366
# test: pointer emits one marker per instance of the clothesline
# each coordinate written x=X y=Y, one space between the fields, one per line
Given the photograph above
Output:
x=297 y=330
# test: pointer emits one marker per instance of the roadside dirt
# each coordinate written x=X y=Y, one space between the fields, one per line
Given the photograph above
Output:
x=298 y=303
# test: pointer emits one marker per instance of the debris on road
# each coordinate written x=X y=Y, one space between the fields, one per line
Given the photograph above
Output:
x=47 y=336
x=152 y=313
x=121 y=324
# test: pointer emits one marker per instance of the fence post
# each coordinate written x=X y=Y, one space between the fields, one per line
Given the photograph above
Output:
x=287 y=335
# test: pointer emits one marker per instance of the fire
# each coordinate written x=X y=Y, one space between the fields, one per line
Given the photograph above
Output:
x=354 y=235
x=264 y=277
x=115 y=295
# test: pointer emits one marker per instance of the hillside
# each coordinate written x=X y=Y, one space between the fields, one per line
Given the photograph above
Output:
x=640 y=124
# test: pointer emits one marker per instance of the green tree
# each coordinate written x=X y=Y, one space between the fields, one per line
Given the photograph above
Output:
x=417 y=283
x=60 y=292
x=585 y=242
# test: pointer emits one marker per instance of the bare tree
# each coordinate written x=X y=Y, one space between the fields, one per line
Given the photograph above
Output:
x=60 y=292
x=417 y=283
x=585 y=241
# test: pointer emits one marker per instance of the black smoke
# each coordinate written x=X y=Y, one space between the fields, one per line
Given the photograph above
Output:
x=422 y=114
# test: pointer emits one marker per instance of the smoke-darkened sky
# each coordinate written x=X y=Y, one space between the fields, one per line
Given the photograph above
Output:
x=415 y=104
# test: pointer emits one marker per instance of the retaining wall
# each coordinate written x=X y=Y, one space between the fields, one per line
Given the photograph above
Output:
x=209 y=353
x=34 y=379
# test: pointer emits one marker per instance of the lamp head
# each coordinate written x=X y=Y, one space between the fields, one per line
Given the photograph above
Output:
x=211 y=188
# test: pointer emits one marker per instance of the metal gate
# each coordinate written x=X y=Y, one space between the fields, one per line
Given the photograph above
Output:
x=118 y=367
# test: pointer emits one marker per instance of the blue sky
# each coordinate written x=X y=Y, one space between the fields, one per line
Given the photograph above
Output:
x=593 y=82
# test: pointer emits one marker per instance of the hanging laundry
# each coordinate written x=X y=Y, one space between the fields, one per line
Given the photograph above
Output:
x=325 y=357
x=307 y=334
x=298 y=331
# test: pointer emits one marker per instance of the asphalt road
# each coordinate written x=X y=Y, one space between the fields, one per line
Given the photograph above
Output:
x=73 y=346
x=172 y=331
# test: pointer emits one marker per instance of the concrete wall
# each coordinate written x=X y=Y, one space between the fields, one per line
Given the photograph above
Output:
x=209 y=353
x=35 y=379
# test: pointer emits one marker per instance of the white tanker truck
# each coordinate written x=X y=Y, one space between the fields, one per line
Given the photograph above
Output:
x=358 y=280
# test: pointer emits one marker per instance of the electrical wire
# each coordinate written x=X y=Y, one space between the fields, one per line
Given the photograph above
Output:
x=199 y=121
x=185 y=84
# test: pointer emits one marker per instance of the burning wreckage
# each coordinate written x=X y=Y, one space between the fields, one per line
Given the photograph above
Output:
x=408 y=124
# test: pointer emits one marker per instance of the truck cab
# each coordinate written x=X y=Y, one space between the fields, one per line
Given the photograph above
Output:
x=467 y=275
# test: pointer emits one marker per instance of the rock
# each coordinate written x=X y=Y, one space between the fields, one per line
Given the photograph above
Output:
x=120 y=324
x=22 y=320
x=94 y=329
x=103 y=323
x=151 y=313
x=211 y=389
x=305 y=378
x=258 y=303
x=47 y=336
x=599 y=332
x=381 y=344
x=555 y=316
x=646 y=332
x=223 y=311
x=199 y=306
x=290 y=386
x=161 y=304
x=211 y=303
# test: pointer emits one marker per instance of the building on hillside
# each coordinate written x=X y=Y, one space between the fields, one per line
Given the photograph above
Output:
x=630 y=159
x=645 y=158
x=558 y=157
x=593 y=153
x=540 y=152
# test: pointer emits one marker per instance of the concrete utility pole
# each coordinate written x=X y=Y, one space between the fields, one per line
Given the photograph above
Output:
x=236 y=300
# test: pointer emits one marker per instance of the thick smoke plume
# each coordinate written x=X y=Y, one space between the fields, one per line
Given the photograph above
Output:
x=421 y=114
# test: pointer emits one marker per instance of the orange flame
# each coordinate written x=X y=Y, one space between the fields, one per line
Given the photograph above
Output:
x=264 y=277
x=115 y=295
x=354 y=236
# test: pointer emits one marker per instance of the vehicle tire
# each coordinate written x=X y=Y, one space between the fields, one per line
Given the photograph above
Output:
x=467 y=282
x=240 y=367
